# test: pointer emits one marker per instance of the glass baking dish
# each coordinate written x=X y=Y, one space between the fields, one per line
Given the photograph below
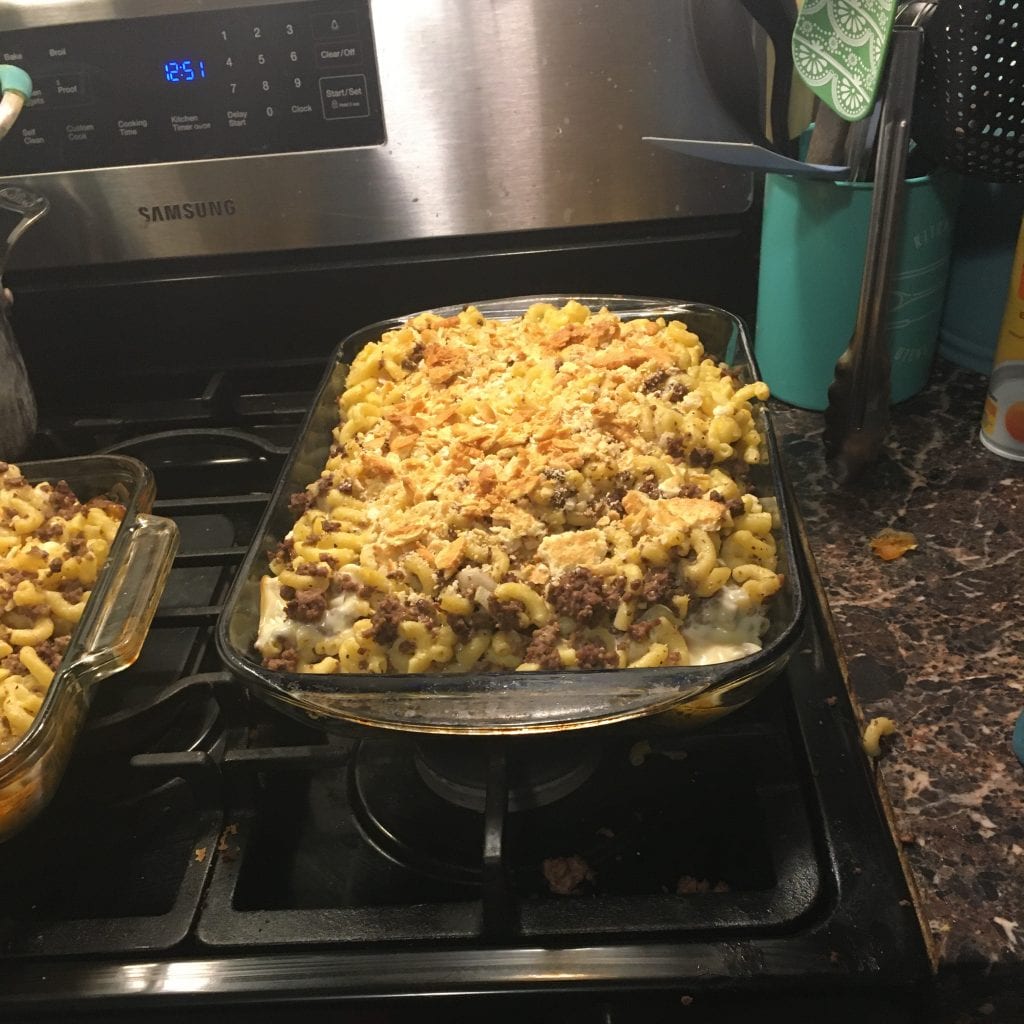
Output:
x=109 y=635
x=510 y=702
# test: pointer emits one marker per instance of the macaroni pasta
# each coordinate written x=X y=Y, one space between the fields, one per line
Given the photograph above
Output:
x=51 y=550
x=562 y=491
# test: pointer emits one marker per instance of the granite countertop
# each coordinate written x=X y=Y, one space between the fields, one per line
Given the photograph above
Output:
x=935 y=640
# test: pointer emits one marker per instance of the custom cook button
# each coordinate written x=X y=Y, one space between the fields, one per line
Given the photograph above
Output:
x=338 y=55
x=335 y=26
x=344 y=96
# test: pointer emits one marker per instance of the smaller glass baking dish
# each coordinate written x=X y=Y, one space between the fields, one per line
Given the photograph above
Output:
x=511 y=702
x=109 y=635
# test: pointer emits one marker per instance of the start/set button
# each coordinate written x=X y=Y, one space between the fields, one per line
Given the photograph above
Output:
x=344 y=96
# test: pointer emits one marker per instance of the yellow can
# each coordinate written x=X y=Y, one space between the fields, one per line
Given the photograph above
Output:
x=1002 y=422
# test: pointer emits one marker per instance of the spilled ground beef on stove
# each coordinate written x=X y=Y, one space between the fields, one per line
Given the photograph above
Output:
x=308 y=605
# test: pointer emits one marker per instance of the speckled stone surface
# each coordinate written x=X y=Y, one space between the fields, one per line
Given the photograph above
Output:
x=935 y=640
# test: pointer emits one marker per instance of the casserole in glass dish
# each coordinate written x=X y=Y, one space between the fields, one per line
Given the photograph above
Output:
x=542 y=699
x=107 y=637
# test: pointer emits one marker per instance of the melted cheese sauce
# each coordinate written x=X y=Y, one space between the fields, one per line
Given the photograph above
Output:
x=725 y=629
x=275 y=627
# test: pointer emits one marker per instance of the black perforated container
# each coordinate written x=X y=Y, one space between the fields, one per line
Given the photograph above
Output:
x=969 y=110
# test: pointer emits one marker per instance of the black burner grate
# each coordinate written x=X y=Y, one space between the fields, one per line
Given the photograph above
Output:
x=197 y=828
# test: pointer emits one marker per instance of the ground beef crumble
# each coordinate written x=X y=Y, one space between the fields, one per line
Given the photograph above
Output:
x=506 y=614
x=702 y=457
x=675 y=446
x=543 y=647
x=581 y=594
x=308 y=605
x=287 y=661
x=300 y=502
x=592 y=654
x=640 y=631
x=657 y=585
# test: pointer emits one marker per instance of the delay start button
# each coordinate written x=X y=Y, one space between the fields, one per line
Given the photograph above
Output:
x=344 y=96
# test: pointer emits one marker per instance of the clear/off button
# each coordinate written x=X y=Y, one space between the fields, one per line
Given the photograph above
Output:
x=344 y=96
x=338 y=54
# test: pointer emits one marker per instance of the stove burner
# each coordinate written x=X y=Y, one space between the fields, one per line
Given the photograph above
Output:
x=540 y=771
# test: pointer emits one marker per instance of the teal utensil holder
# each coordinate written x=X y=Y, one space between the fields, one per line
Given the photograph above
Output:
x=813 y=239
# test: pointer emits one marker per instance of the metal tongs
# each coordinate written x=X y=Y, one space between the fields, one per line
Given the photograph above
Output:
x=857 y=418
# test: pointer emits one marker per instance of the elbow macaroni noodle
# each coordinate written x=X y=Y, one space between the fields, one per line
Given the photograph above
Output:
x=51 y=550
x=565 y=490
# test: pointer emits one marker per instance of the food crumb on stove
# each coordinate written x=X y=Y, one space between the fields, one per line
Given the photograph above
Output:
x=565 y=875
x=832 y=701
x=891 y=544
x=227 y=852
x=201 y=854
x=606 y=832
x=875 y=730
x=904 y=903
x=688 y=884
x=834 y=958
x=639 y=752
x=686 y=1000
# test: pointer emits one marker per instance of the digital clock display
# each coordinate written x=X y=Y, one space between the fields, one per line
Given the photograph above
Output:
x=191 y=69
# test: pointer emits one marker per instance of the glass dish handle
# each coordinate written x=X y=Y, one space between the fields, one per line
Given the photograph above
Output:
x=120 y=629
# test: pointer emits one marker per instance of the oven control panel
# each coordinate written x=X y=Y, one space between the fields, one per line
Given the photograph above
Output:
x=254 y=80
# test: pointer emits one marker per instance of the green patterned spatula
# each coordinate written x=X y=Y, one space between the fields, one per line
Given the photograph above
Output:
x=839 y=50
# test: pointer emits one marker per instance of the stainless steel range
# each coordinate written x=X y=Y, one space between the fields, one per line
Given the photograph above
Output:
x=160 y=128
x=207 y=855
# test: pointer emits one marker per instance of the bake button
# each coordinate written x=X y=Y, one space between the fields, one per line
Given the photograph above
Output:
x=344 y=96
x=335 y=26
x=338 y=55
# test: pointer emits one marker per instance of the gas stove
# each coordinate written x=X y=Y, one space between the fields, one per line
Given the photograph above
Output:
x=205 y=851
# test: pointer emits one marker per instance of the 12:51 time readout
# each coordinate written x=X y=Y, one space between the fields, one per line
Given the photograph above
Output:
x=186 y=70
